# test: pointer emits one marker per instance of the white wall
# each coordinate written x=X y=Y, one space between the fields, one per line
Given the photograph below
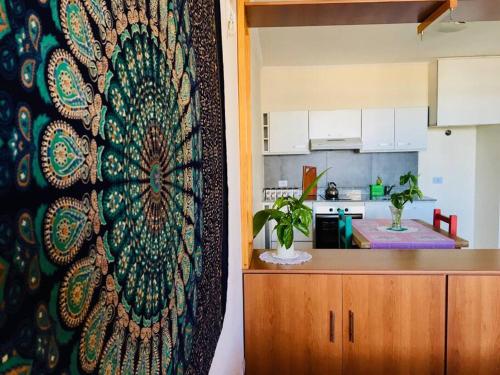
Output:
x=257 y=157
x=344 y=86
x=228 y=359
x=488 y=187
x=453 y=158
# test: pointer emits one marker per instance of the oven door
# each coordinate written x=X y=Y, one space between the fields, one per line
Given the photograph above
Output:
x=327 y=230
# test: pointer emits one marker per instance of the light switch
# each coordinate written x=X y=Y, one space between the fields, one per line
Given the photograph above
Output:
x=437 y=180
x=283 y=183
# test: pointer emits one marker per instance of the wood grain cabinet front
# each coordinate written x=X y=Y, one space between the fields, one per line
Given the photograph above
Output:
x=350 y=324
x=293 y=324
x=394 y=324
x=473 y=325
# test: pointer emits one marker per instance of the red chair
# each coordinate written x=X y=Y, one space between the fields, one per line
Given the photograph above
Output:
x=451 y=220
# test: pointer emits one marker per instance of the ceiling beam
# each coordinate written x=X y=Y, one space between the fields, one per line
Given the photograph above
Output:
x=338 y=12
x=449 y=5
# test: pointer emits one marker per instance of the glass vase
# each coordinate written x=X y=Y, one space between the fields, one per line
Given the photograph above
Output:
x=396 y=217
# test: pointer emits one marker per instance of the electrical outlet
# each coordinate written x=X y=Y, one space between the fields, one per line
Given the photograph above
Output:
x=283 y=183
x=437 y=180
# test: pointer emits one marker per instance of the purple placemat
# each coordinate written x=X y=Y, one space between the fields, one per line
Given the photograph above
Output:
x=417 y=236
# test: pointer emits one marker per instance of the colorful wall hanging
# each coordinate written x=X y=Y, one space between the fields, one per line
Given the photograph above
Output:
x=113 y=195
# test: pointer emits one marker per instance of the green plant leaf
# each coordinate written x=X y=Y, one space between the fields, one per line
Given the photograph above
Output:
x=287 y=236
x=306 y=192
x=399 y=200
x=260 y=219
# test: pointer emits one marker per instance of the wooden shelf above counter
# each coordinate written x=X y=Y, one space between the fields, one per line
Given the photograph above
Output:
x=340 y=12
x=420 y=262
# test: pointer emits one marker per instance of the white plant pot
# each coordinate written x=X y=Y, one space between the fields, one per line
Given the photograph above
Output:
x=283 y=252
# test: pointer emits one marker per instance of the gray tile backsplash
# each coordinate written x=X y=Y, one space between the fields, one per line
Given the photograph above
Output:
x=347 y=168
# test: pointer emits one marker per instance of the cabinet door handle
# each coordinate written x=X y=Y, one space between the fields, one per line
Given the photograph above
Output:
x=332 y=326
x=351 y=326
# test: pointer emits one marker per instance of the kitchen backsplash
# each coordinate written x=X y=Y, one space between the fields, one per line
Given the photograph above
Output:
x=347 y=168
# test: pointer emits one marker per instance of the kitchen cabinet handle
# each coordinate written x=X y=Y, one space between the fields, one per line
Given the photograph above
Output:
x=351 y=326
x=332 y=326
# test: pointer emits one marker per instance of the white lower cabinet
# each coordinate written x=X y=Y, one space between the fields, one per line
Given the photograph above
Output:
x=419 y=210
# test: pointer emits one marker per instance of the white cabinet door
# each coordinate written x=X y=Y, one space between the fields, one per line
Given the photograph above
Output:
x=411 y=128
x=378 y=129
x=468 y=91
x=419 y=210
x=377 y=210
x=335 y=124
x=288 y=132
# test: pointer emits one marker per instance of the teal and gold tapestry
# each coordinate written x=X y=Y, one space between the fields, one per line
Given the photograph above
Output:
x=113 y=195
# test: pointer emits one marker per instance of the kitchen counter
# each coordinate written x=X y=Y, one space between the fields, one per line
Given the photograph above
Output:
x=326 y=261
x=364 y=198
x=374 y=312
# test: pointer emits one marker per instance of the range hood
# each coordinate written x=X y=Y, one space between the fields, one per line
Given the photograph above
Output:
x=336 y=144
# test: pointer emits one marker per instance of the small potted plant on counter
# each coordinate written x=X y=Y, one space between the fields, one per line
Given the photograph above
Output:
x=399 y=200
x=289 y=213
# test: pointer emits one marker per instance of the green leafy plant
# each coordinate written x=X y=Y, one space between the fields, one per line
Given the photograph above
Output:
x=399 y=200
x=289 y=213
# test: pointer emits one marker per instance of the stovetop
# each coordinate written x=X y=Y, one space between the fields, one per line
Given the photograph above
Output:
x=344 y=198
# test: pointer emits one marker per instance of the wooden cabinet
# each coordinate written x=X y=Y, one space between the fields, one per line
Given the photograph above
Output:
x=395 y=312
x=473 y=325
x=332 y=324
x=293 y=324
x=340 y=124
x=286 y=133
x=410 y=128
x=467 y=92
x=393 y=324
x=378 y=129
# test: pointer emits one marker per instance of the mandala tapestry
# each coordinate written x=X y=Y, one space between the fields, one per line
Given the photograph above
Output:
x=113 y=196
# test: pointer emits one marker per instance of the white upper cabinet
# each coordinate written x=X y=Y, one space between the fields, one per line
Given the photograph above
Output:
x=468 y=91
x=286 y=133
x=378 y=129
x=411 y=128
x=340 y=124
x=395 y=129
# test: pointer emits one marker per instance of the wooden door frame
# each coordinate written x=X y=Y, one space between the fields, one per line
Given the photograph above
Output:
x=245 y=129
x=244 y=92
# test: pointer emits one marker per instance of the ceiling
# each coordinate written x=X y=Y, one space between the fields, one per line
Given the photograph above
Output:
x=366 y=44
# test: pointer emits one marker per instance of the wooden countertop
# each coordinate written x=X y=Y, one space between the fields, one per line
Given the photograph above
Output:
x=356 y=261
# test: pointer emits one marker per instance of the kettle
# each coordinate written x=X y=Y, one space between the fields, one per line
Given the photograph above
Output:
x=331 y=191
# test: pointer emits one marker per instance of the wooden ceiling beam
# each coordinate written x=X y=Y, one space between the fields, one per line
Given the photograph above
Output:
x=449 y=5
x=338 y=12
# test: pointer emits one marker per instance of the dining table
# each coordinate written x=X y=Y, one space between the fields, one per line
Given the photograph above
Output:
x=414 y=234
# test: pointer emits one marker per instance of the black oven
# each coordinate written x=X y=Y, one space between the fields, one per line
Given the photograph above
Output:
x=326 y=229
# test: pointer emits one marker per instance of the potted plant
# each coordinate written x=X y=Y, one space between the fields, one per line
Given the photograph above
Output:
x=399 y=200
x=289 y=213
